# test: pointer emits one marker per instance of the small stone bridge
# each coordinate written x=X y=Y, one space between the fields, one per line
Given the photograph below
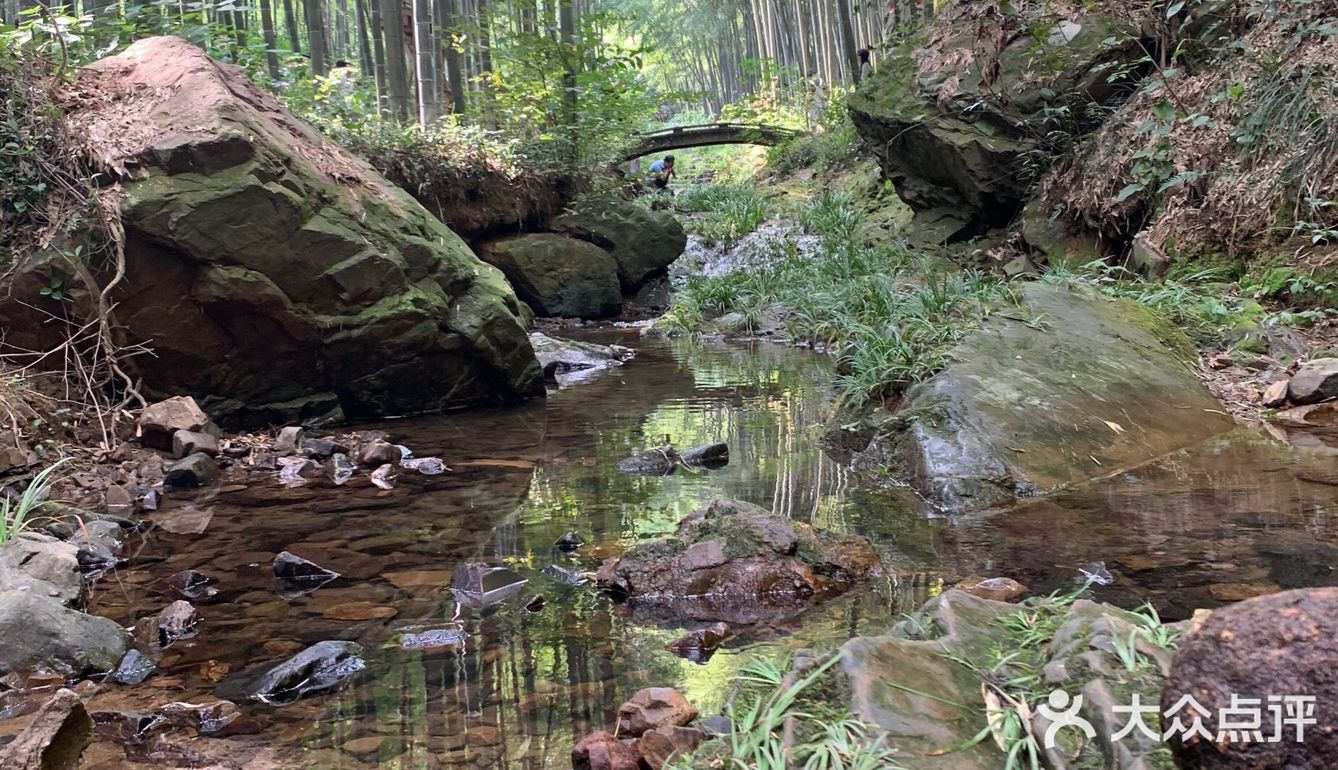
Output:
x=683 y=137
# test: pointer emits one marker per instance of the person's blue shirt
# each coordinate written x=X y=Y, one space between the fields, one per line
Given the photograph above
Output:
x=657 y=167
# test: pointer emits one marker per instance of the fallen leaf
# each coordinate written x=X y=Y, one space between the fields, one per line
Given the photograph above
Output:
x=1115 y=426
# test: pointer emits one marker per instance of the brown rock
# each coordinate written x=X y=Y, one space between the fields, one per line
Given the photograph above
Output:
x=1278 y=645
x=281 y=648
x=358 y=611
x=159 y=422
x=178 y=620
x=1235 y=592
x=1275 y=395
x=698 y=646
x=999 y=589
x=1220 y=361
x=603 y=751
x=378 y=453
x=666 y=743
x=54 y=740
x=652 y=707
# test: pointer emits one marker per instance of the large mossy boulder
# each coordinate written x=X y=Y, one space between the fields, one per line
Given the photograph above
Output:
x=737 y=563
x=643 y=243
x=271 y=272
x=1069 y=386
x=959 y=112
x=558 y=276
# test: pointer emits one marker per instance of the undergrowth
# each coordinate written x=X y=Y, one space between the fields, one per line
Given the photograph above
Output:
x=780 y=722
x=724 y=213
x=891 y=315
x=14 y=513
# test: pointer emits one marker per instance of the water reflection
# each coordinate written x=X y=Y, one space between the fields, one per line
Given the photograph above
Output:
x=1235 y=515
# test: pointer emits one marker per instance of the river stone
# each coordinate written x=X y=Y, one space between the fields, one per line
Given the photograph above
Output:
x=195 y=470
x=320 y=667
x=652 y=707
x=37 y=633
x=737 y=563
x=54 y=740
x=348 y=294
x=643 y=243
x=1096 y=386
x=1278 y=645
x=1316 y=381
x=664 y=744
x=159 y=422
x=43 y=566
x=188 y=442
x=947 y=149
x=561 y=356
x=558 y=276
x=134 y=668
x=605 y=751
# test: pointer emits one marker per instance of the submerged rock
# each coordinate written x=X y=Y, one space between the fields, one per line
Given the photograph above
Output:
x=177 y=621
x=193 y=585
x=1092 y=386
x=665 y=460
x=999 y=589
x=558 y=276
x=709 y=456
x=294 y=568
x=737 y=563
x=188 y=442
x=568 y=357
x=1279 y=645
x=54 y=740
x=482 y=585
x=37 y=633
x=666 y=743
x=350 y=296
x=320 y=667
x=424 y=638
x=134 y=668
x=700 y=645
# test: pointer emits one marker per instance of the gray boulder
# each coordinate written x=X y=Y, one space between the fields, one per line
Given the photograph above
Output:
x=42 y=566
x=194 y=470
x=1091 y=386
x=242 y=223
x=557 y=275
x=38 y=633
x=160 y=422
x=1316 y=381
x=643 y=243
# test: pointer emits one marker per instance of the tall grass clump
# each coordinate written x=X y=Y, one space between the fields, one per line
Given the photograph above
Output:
x=14 y=513
x=890 y=315
x=773 y=701
x=724 y=213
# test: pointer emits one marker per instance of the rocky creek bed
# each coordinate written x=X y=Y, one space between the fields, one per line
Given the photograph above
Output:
x=517 y=683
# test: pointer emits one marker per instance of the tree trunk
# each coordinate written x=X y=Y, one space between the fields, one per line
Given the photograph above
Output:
x=454 y=67
x=848 y=38
x=290 y=23
x=271 y=40
x=316 y=38
x=397 y=75
x=378 y=57
x=424 y=63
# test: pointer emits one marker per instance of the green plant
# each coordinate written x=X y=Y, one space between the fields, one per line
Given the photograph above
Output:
x=757 y=741
x=1126 y=650
x=14 y=513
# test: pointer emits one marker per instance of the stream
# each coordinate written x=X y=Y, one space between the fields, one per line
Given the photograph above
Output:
x=1237 y=515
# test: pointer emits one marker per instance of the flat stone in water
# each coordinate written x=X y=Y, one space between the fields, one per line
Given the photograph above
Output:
x=133 y=669
x=319 y=668
x=418 y=638
x=482 y=585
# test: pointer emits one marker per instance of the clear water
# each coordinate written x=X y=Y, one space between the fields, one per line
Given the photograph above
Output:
x=1241 y=513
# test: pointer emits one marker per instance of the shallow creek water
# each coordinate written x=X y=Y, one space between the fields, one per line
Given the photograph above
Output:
x=1196 y=528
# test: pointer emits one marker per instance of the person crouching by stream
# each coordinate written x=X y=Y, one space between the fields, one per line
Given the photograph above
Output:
x=661 y=171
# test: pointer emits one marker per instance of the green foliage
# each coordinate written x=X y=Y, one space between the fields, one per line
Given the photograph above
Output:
x=14 y=513
x=824 y=740
x=726 y=212
x=834 y=142
x=889 y=314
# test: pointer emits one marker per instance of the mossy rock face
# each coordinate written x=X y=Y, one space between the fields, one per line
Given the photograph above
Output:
x=643 y=243
x=736 y=563
x=273 y=274
x=948 y=141
x=1067 y=387
x=558 y=276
